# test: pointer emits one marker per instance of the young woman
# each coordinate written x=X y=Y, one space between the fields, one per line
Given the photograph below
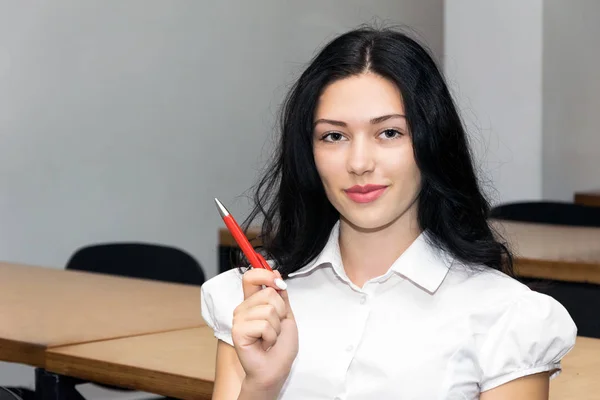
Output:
x=389 y=283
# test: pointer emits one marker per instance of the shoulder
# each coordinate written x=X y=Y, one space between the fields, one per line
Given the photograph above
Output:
x=220 y=296
x=480 y=288
x=517 y=331
x=491 y=297
x=228 y=280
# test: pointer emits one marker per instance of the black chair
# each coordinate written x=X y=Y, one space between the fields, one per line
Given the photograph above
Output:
x=139 y=260
x=7 y=393
x=548 y=212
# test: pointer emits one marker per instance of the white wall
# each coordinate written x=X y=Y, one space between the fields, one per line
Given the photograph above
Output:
x=123 y=120
x=527 y=79
x=571 y=151
x=493 y=56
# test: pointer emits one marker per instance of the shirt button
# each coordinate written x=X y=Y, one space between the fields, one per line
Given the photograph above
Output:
x=349 y=348
x=363 y=299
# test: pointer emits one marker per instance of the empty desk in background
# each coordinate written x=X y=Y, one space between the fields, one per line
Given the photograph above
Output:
x=45 y=307
x=560 y=253
x=178 y=364
x=589 y=198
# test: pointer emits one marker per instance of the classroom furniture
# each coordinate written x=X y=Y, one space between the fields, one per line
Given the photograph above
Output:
x=181 y=364
x=562 y=253
x=588 y=198
x=548 y=212
x=10 y=394
x=46 y=307
x=139 y=260
x=178 y=364
x=581 y=368
x=142 y=344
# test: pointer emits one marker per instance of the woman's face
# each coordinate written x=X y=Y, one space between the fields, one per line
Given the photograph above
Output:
x=364 y=154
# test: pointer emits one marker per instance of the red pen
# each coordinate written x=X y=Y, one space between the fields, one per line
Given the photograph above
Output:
x=255 y=259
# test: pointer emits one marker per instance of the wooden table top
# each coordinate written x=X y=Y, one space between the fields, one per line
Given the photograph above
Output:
x=581 y=370
x=45 y=307
x=554 y=252
x=589 y=198
x=179 y=364
x=541 y=251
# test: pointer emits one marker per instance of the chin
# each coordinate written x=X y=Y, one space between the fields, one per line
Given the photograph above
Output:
x=364 y=221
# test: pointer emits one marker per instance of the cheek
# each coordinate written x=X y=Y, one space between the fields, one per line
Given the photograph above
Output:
x=326 y=166
x=405 y=170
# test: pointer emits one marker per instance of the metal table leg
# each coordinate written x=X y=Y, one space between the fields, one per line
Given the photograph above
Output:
x=51 y=386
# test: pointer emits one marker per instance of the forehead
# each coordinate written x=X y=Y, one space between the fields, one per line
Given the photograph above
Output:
x=360 y=97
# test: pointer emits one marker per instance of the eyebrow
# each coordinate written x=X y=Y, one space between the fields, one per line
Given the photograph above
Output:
x=374 y=121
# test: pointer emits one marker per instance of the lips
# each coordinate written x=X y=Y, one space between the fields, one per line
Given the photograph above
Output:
x=365 y=194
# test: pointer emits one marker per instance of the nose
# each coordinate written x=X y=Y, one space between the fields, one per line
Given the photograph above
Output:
x=361 y=157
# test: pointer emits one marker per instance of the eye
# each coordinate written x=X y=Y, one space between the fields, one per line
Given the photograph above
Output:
x=333 y=137
x=390 y=134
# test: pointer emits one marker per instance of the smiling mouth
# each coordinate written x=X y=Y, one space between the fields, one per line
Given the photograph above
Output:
x=365 y=194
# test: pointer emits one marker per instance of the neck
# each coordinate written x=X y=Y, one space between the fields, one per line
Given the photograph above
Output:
x=369 y=253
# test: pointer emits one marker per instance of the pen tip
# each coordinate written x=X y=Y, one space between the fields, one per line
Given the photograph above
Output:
x=222 y=210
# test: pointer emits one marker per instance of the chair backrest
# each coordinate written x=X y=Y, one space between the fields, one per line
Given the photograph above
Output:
x=139 y=260
x=548 y=212
x=9 y=394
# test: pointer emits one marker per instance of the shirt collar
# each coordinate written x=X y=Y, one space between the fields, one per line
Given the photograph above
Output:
x=329 y=255
x=423 y=264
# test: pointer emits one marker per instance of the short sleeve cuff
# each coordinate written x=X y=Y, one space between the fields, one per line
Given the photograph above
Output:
x=554 y=368
x=226 y=337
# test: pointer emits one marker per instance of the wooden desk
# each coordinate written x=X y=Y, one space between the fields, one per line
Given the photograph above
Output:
x=45 y=307
x=554 y=252
x=591 y=198
x=581 y=370
x=179 y=364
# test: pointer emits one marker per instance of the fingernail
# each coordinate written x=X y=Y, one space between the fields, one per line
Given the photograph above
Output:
x=280 y=284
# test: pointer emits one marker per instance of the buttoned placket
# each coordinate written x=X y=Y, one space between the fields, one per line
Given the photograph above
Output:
x=361 y=310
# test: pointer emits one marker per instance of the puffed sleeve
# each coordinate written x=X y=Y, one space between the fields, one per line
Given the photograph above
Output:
x=219 y=298
x=531 y=335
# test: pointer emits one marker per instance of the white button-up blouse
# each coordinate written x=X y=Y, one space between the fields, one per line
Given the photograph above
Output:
x=430 y=328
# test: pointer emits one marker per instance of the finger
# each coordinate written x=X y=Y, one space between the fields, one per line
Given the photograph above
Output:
x=279 y=282
x=286 y=301
x=248 y=333
x=267 y=296
x=254 y=279
x=264 y=312
x=266 y=345
x=264 y=262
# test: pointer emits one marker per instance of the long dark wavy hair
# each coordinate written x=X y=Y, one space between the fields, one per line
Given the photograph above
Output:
x=296 y=215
